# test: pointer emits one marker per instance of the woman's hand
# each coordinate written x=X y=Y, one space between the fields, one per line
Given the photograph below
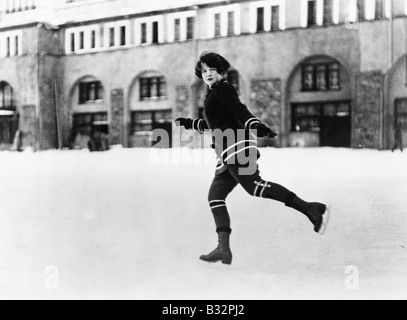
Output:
x=263 y=130
x=183 y=122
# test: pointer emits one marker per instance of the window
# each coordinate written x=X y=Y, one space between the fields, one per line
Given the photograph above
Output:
x=401 y=112
x=260 y=19
x=144 y=33
x=16 y=46
x=308 y=117
x=72 y=42
x=380 y=9
x=321 y=77
x=10 y=44
x=93 y=39
x=177 y=30
x=82 y=122
x=275 y=18
x=217 y=25
x=231 y=23
x=111 y=37
x=153 y=87
x=190 y=28
x=155 y=32
x=361 y=10
x=224 y=21
x=6 y=96
x=123 y=37
x=328 y=11
x=8 y=47
x=312 y=13
x=90 y=91
x=81 y=40
x=144 y=122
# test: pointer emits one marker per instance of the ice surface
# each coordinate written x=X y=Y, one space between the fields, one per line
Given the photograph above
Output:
x=132 y=223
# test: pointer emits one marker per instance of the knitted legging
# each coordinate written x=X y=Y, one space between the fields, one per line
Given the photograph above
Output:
x=224 y=184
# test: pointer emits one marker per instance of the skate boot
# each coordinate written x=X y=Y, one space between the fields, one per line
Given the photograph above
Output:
x=222 y=253
x=316 y=212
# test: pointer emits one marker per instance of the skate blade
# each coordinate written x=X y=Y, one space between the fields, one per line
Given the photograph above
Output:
x=325 y=221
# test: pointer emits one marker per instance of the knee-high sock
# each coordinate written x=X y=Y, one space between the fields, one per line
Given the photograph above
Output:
x=221 y=215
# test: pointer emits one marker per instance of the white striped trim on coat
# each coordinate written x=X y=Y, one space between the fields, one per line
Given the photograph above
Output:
x=250 y=122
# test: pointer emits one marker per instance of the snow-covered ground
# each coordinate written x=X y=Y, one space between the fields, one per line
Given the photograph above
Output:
x=132 y=223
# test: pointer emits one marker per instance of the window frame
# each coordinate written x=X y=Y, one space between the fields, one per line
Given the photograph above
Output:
x=152 y=121
x=84 y=92
x=328 y=66
x=148 y=84
x=318 y=116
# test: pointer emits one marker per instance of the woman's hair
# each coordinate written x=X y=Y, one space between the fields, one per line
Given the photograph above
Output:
x=212 y=60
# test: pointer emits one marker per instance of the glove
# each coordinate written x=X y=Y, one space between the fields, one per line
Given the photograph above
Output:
x=184 y=122
x=263 y=130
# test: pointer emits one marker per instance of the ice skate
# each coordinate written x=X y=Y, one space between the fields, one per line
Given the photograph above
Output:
x=318 y=214
x=222 y=253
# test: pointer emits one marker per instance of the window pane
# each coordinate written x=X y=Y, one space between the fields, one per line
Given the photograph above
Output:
x=82 y=40
x=260 y=19
x=72 y=42
x=99 y=91
x=380 y=9
x=111 y=37
x=143 y=33
x=231 y=23
x=312 y=13
x=275 y=18
x=190 y=28
x=361 y=9
x=155 y=32
x=330 y=110
x=153 y=87
x=162 y=87
x=334 y=77
x=177 y=29
x=217 y=25
x=144 y=88
x=308 y=78
x=122 y=35
x=343 y=110
x=163 y=116
x=93 y=39
x=321 y=77
x=328 y=11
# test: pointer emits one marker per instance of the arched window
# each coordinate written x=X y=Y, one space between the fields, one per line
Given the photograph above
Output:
x=152 y=86
x=6 y=96
x=90 y=90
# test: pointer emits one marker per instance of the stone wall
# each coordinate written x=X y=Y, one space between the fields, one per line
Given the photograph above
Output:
x=366 y=113
x=116 y=124
x=265 y=103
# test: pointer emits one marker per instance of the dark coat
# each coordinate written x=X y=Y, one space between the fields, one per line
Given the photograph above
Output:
x=230 y=122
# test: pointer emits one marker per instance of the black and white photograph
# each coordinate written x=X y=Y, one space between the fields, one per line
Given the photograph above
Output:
x=203 y=150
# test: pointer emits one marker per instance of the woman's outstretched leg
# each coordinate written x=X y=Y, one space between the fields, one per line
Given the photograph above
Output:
x=221 y=187
x=257 y=187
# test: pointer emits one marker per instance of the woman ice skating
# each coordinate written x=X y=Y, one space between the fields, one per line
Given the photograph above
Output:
x=224 y=113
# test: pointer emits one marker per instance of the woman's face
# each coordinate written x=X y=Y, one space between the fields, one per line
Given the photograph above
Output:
x=210 y=75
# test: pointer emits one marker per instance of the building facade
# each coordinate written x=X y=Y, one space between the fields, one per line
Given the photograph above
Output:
x=319 y=72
